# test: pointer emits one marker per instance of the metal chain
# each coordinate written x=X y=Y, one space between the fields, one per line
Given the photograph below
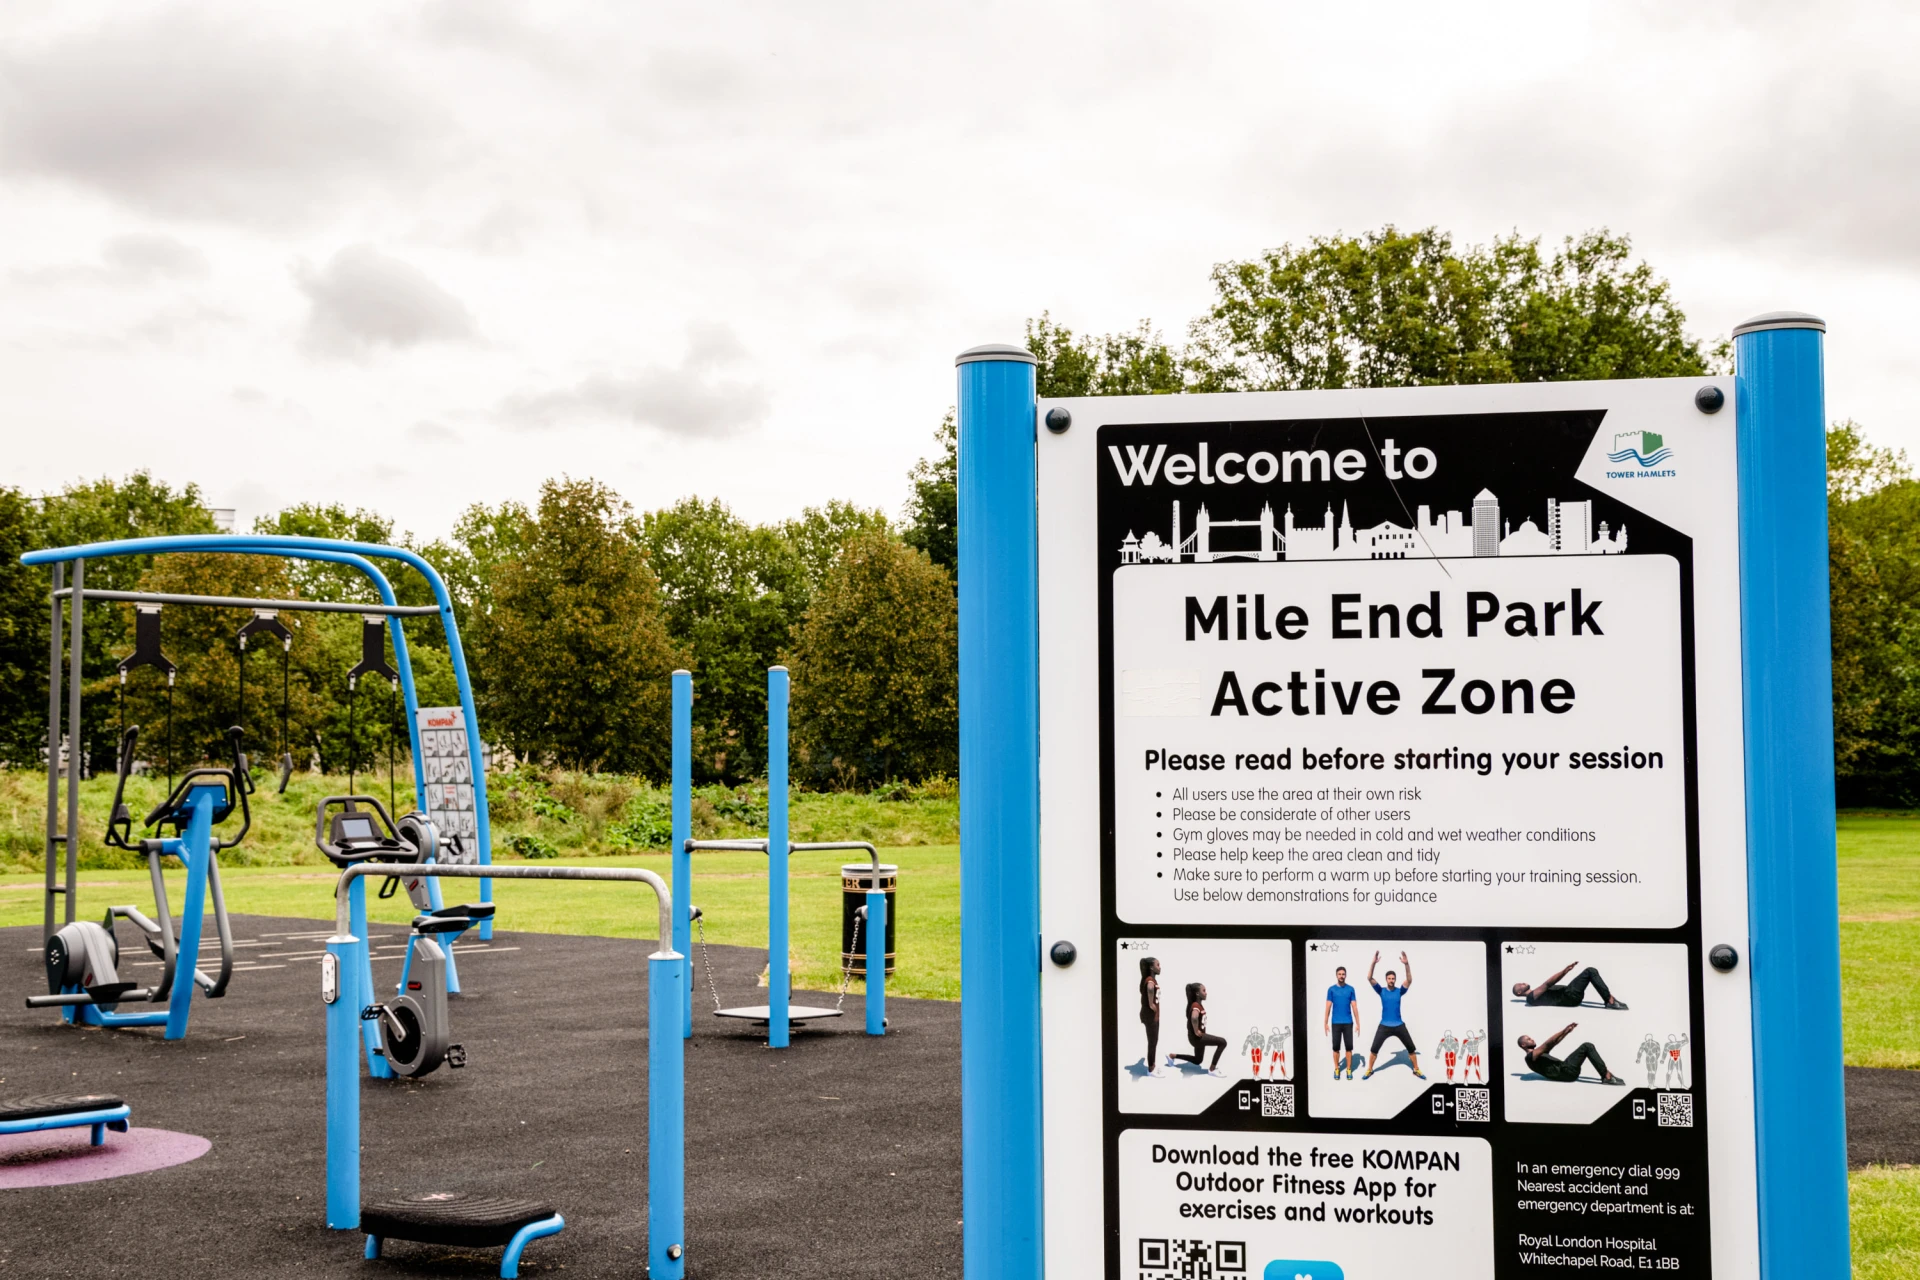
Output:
x=846 y=965
x=706 y=958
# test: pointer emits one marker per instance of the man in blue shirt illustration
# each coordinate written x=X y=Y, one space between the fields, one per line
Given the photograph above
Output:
x=1392 y=1026
x=1338 y=1020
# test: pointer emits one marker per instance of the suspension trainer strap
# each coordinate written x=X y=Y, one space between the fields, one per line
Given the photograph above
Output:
x=373 y=661
x=146 y=653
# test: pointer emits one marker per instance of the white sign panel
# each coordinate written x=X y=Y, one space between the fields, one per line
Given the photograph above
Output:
x=448 y=766
x=1390 y=752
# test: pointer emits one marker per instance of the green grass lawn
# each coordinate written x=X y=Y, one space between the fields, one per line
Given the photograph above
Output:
x=1880 y=938
x=1886 y=1223
x=729 y=888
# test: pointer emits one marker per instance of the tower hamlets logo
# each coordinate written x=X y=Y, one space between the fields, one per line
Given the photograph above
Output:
x=1642 y=448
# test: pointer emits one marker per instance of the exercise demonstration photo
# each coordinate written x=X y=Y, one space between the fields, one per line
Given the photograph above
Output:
x=748 y=641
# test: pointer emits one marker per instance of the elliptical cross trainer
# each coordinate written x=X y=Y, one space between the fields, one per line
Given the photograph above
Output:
x=83 y=958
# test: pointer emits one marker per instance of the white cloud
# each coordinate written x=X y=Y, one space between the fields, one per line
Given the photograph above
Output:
x=708 y=394
x=364 y=299
x=215 y=116
x=147 y=255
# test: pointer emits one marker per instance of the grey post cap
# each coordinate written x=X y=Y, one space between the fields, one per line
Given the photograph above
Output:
x=1780 y=320
x=995 y=351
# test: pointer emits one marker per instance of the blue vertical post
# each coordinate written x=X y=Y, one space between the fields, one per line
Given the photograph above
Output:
x=999 y=818
x=360 y=979
x=682 y=767
x=876 y=960
x=666 y=1114
x=777 y=850
x=343 y=1086
x=196 y=842
x=1793 y=894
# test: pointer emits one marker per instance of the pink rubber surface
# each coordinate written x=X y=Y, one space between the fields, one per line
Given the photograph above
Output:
x=56 y=1157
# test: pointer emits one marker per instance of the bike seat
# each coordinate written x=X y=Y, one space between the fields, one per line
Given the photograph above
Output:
x=471 y=910
x=436 y=922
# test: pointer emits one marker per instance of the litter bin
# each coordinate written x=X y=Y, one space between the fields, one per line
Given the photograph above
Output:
x=856 y=880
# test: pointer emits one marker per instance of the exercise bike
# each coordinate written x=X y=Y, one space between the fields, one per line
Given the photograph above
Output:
x=83 y=958
x=408 y=1034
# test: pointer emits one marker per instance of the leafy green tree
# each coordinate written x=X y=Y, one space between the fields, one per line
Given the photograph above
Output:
x=732 y=593
x=318 y=579
x=875 y=669
x=1112 y=364
x=572 y=661
x=1873 y=541
x=933 y=507
x=1392 y=308
x=23 y=636
x=817 y=535
x=483 y=539
x=107 y=510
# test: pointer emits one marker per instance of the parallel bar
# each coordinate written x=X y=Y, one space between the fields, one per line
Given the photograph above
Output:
x=682 y=769
x=56 y=629
x=1000 y=1051
x=247 y=602
x=76 y=673
x=1792 y=884
x=778 y=889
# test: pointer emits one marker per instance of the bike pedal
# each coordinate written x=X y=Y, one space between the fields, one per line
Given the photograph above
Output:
x=456 y=1056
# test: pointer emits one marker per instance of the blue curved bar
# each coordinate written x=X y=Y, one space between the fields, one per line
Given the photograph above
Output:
x=354 y=554
x=510 y=1261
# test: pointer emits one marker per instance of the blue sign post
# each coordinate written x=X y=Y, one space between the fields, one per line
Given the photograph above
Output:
x=1792 y=885
x=1000 y=813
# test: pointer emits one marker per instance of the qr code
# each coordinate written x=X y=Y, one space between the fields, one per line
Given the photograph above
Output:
x=1192 y=1259
x=1473 y=1104
x=1276 y=1101
x=1676 y=1110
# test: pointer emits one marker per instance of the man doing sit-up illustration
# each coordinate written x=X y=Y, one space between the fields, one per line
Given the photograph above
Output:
x=1567 y=995
x=1566 y=1070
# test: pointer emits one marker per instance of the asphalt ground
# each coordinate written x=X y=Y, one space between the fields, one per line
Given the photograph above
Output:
x=838 y=1157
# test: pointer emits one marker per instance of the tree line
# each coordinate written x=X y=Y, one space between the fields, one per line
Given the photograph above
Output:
x=575 y=608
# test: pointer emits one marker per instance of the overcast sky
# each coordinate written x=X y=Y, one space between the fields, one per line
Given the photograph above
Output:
x=414 y=256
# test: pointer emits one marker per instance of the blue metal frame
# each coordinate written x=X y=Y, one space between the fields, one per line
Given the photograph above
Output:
x=114 y=1118
x=779 y=846
x=876 y=960
x=356 y=555
x=682 y=792
x=1000 y=814
x=1793 y=895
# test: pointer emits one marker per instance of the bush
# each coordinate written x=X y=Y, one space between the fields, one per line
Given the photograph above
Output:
x=528 y=845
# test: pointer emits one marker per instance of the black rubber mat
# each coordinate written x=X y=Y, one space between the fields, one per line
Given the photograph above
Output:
x=838 y=1157
x=1883 y=1116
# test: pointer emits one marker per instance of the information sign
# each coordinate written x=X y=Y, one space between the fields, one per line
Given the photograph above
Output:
x=448 y=769
x=1392 y=782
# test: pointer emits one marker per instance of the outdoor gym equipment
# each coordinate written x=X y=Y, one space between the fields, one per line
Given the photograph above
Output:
x=473 y=1221
x=64 y=724
x=407 y=1035
x=82 y=958
x=779 y=1014
x=96 y=1111
x=267 y=622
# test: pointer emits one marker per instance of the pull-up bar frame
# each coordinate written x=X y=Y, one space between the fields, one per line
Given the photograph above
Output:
x=355 y=555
